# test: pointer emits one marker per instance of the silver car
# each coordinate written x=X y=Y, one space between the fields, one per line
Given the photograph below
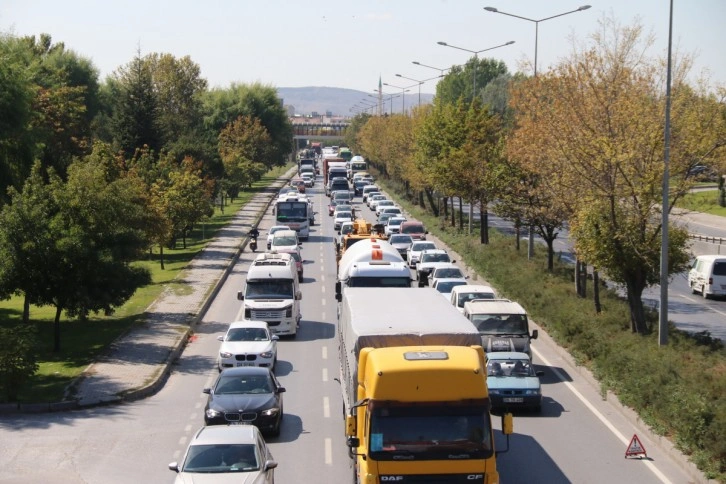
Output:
x=226 y=453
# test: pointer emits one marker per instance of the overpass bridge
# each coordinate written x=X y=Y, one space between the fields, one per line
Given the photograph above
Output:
x=319 y=131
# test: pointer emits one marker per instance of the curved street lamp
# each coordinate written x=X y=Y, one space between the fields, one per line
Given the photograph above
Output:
x=403 y=95
x=419 y=82
x=432 y=67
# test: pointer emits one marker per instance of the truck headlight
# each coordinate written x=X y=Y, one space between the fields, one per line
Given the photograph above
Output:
x=248 y=313
x=288 y=311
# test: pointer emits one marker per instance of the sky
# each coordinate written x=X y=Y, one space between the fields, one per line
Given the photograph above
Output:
x=352 y=43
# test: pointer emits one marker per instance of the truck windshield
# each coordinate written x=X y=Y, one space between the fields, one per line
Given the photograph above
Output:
x=292 y=211
x=269 y=289
x=430 y=432
x=500 y=323
x=379 y=282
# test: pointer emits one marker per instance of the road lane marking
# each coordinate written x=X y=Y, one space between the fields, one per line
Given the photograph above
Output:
x=322 y=278
x=326 y=407
x=328 y=451
x=322 y=289
x=176 y=455
x=325 y=374
x=325 y=352
x=322 y=302
x=183 y=440
x=599 y=415
x=193 y=416
x=188 y=428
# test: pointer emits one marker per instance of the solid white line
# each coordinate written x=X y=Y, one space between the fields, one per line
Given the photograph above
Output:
x=326 y=407
x=696 y=301
x=325 y=352
x=325 y=374
x=328 y=451
x=600 y=416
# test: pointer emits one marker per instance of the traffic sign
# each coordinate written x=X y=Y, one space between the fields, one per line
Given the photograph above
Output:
x=635 y=447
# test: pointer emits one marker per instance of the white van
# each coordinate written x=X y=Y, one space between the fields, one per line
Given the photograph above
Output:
x=272 y=293
x=708 y=275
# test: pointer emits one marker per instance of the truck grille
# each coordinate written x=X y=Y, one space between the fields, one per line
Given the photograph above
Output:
x=266 y=315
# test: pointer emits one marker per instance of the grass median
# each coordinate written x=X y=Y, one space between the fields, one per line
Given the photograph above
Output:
x=83 y=341
x=678 y=390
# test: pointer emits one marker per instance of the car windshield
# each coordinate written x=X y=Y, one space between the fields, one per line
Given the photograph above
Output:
x=517 y=368
x=435 y=258
x=218 y=458
x=347 y=215
x=400 y=239
x=284 y=240
x=447 y=286
x=413 y=229
x=269 y=289
x=424 y=246
x=448 y=272
x=247 y=334
x=394 y=223
x=500 y=323
x=243 y=384
x=469 y=296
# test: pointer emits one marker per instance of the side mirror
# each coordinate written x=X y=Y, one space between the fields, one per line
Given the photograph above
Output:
x=270 y=464
x=174 y=466
x=535 y=333
x=275 y=337
x=281 y=390
x=353 y=442
x=453 y=261
x=298 y=295
x=350 y=427
x=507 y=424
x=208 y=391
x=220 y=338
x=240 y=295
x=539 y=373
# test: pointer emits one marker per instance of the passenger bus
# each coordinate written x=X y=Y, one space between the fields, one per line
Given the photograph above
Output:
x=295 y=213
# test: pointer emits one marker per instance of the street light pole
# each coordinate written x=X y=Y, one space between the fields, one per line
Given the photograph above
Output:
x=530 y=244
x=432 y=67
x=404 y=90
x=419 y=83
x=476 y=59
x=390 y=97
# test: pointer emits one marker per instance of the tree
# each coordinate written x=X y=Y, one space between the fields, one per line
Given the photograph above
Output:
x=223 y=106
x=18 y=360
x=242 y=145
x=458 y=83
x=353 y=130
x=596 y=120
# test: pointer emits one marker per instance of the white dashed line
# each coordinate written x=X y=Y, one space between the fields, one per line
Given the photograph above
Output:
x=176 y=454
x=188 y=428
x=322 y=278
x=326 y=407
x=325 y=352
x=599 y=415
x=192 y=417
x=328 y=451
x=183 y=440
x=325 y=374
x=322 y=289
x=322 y=302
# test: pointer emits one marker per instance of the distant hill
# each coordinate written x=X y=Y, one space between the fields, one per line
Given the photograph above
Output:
x=338 y=100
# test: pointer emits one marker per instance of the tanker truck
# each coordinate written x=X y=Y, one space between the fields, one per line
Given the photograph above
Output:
x=371 y=263
x=413 y=377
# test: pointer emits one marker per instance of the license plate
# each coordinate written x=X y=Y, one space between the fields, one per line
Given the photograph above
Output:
x=513 y=400
x=246 y=363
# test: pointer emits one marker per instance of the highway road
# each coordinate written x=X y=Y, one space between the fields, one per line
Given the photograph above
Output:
x=689 y=312
x=577 y=438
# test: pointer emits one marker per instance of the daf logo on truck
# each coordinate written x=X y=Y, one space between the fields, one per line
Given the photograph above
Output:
x=391 y=478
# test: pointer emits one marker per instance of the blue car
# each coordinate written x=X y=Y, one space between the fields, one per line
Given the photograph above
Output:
x=512 y=381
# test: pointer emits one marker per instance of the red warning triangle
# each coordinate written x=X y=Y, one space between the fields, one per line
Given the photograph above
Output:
x=635 y=447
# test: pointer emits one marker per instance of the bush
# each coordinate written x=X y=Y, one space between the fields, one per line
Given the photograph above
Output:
x=18 y=361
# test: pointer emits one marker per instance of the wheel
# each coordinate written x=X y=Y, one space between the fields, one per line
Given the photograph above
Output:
x=693 y=289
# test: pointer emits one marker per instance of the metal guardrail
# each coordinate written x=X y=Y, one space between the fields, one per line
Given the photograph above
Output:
x=707 y=238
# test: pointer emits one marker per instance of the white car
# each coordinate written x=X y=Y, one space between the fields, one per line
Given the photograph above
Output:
x=393 y=224
x=463 y=294
x=226 y=453
x=309 y=179
x=285 y=241
x=374 y=199
x=381 y=204
x=247 y=343
x=341 y=216
x=446 y=284
x=428 y=260
x=414 y=252
x=271 y=233
x=446 y=271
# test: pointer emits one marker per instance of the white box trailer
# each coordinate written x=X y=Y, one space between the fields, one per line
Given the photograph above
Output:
x=392 y=317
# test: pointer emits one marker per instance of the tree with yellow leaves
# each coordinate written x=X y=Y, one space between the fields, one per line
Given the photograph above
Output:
x=593 y=129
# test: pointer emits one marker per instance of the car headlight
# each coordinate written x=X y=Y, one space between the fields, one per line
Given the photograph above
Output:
x=270 y=412
x=212 y=413
x=494 y=392
x=267 y=354
x=225 y=354
x=532 y=392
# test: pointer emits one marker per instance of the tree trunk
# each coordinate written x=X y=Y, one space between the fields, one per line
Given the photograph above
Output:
x=484 y=224
x=461 y=214
x=430 y=198
x=446 y=208
x=26 y=310
x=550 y=254
x=421 y=198
x=596 y=290
x=161 y=255
x=634 y=289
x=56 y=329
x=517 y=234
x=583 y=275
x=453 y=213
x=578 y=281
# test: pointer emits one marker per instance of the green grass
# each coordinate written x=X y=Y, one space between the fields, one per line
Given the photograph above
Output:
x=704 y=201
x=678 y=390
x=81 y=342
